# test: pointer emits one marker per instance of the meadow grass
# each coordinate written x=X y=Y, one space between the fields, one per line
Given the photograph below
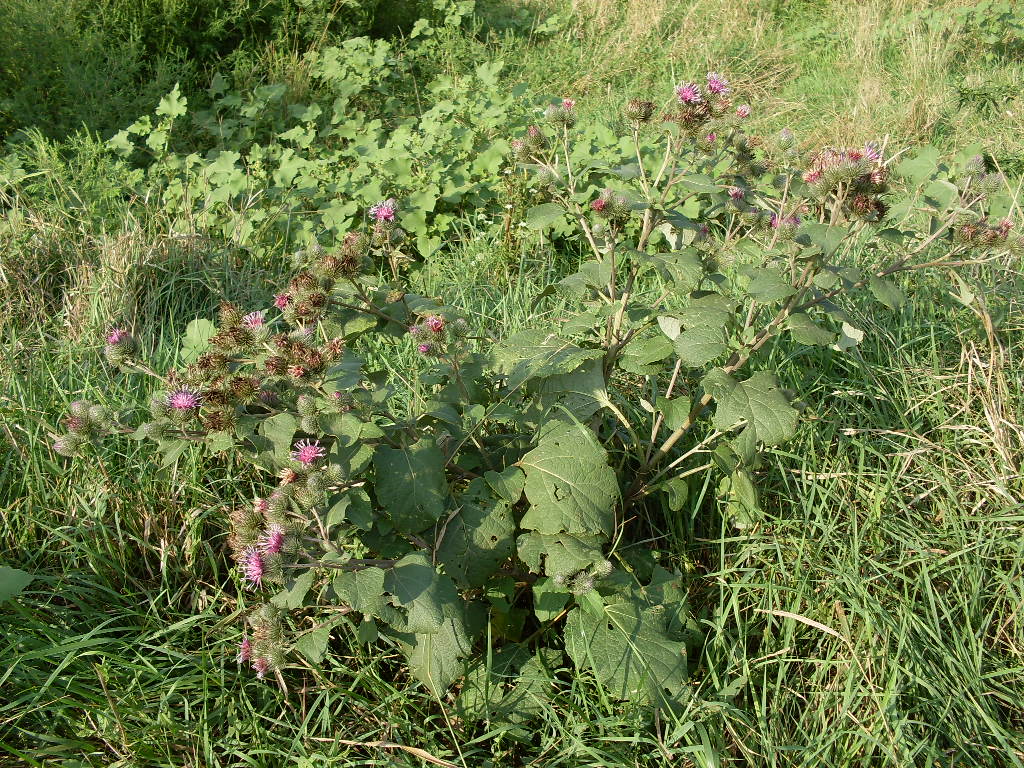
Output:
x=874 y=617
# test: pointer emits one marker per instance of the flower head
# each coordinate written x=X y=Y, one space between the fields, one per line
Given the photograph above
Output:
x=260 y=506
x=384 y=210
x=872 y=152
x=711 y=138
x=117 y=335
x=736 y=193
x=272 y=540
x=244 y=649
x=568 y=104
x=308 y=452
x=184 y=399
x=262 y=666
x=743 y=110
x=424 y=349
x=599 y=204
x=717 y=84
x=282 y=300
x=253 y=320
x=435 y=323
x=253 y=567
x=688 y=93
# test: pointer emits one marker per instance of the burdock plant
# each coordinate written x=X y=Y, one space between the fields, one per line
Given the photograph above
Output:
x=506 y=506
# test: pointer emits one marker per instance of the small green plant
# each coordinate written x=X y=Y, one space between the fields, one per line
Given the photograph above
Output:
x=499 y=512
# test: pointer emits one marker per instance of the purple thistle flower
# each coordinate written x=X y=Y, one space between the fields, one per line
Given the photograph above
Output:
x=262 y=666
x=688 y=93
x=711 y=138
x=253 y=567
x=717 y=84
x=282 y=300
x=384 y=210
x=736 y=193
x=308 y=451
x=117 y=335
x=273 y=540
x=260 y=506
x=568 y=104
x=424 y=349
x=743 y=110
x=244 y=650
x=533 y=131
x=872 y=152
x=435 y=323
x=184 y=400
x=253 y=321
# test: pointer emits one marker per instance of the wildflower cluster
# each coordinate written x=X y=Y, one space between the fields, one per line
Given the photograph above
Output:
x=699 y=108
x=85 y=423
x=435 y=336
x=264 y=648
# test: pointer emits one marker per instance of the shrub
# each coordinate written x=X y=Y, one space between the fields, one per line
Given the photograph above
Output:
x=513 y=501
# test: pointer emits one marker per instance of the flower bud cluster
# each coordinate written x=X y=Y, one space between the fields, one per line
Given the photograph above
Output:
x=583 y=581
x=982 y=235
x=261 y=537
x=384 y=229
x=297 y=357
x=858 y=176
x=119 y=347
x=699 y=105
x=436 y=336
x=639 y=111
x=611 y=206
x=85 y=423
x=563 y=114
x=264 y=650
x=532 y=144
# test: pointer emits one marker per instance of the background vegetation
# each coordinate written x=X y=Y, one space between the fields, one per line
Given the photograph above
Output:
x=894 y=529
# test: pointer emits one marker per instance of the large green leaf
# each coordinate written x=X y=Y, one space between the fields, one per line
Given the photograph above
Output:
x=544 y=215
x=758 y=402
x=886 y=292
x=511 y=685
x=562 y=553
x=768 y=285
x=428 y=597
x=569 y=484
x=280 y=430
x=479 y=538
x=700 y=345
x=592 y=274
x=436 y=658
x=411 y=484
x=581 y=392
x=12 y=582
x=921 y=166
x=196 y=339
x=805 y=331
x=627 y=647
x=535 y=354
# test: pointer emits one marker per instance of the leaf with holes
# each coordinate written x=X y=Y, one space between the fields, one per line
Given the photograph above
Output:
x=629 y=650
x=758 y=402
x=569 y=484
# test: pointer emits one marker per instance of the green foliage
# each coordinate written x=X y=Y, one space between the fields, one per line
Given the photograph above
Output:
x=275 y=158
x=514 y=490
